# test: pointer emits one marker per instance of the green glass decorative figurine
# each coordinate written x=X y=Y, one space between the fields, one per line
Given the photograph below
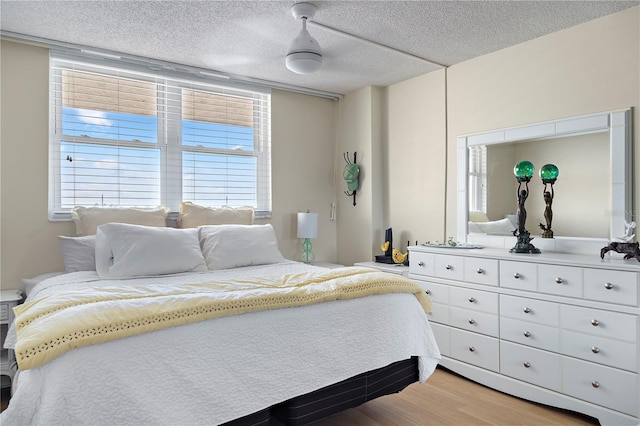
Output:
x=524 y=172
x=549 y=175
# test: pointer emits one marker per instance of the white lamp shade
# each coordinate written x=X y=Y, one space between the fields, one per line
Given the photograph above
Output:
x=307 y=225
x=304 y=55
x=303 y=62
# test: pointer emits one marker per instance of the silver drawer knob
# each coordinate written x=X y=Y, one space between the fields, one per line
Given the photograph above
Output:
x=527 y=310
x=472 y=349
x=595 y=384
x=480 y=271
x=472 y=321
x=595 y=322
x=559 y=280
x=608 y=286
x=471 y=300
x=527 y=364
x=527 y=334
x=595 y=349
x=448 y=267
x=428 y=291
x=420 y=263
x=516 y=275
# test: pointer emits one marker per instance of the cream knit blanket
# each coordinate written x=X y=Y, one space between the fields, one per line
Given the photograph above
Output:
x=52 y=325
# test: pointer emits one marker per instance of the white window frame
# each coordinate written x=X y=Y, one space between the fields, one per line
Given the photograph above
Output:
x=169 y=132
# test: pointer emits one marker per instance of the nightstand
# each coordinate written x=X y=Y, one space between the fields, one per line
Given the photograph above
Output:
x=386 y=267
x=8 y=300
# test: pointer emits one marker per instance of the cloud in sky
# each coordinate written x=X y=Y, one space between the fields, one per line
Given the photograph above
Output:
x=93 y=118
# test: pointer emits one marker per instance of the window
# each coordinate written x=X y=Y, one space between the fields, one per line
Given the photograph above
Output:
x=478 y=178
x=131 y=139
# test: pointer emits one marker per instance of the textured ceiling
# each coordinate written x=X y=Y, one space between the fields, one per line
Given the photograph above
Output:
x=250 y=38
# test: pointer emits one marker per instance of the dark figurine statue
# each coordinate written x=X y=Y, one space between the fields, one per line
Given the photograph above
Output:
x=523 y=242
x=629 y=249
x=522 y=212
x=548 y=214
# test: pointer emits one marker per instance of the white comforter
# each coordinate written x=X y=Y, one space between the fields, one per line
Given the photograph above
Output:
x=214 y=371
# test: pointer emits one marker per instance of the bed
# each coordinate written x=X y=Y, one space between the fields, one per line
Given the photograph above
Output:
x=295 y=363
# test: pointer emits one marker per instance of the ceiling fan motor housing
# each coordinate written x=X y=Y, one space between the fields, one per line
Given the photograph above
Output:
x=304 y=55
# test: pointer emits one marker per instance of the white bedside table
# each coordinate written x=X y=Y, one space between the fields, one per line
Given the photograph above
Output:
x=386 y=267
x=8 y=300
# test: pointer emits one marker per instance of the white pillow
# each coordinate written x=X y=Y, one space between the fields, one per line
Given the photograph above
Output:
x=474 y=228
x=232 y=246
x=88 y=219
x=478 y=216
x=497 y=227
x=124 y=250
x=192 y=215
x=79 y=253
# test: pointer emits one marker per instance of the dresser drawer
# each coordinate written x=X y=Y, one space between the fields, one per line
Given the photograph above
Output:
x=531 y=365
x=518 y=275
x=439 y=313
x=477 y=300
x=441 y=333
x=613 y=353
x=439 y=293
x=530 y=334
x=611 y=286
x=449 y=267
x=478 y=322
x=560 y=280
x=481 y=271
x=606 y=386
x=531 y=310
x=601 y=323
x=421 y=263
x=476 y=349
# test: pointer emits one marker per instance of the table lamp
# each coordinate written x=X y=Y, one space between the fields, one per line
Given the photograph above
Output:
x=307 y=229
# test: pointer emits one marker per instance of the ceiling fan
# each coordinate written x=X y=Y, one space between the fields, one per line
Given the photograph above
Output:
x=304 y=55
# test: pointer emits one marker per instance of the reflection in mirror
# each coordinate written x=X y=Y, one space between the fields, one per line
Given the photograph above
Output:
x=593 y=194
x=583 y=188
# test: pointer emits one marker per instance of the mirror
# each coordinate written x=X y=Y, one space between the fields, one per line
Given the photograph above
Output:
x=592 y=195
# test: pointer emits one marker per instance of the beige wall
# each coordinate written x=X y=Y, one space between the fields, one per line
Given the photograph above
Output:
x=592 y=67
x=399 y=132
x=583 y=162
x=415 y=166
x=29 y=244
x=583 y=189
x=303 y=146
x=303 y=143
x=359 y=131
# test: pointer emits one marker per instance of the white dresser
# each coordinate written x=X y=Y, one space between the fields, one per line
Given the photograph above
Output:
x=559 y=329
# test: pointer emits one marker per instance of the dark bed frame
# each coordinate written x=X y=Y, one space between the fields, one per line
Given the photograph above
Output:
x=332 y=399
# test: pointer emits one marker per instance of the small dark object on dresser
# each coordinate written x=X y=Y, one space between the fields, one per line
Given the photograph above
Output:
x=629 y=249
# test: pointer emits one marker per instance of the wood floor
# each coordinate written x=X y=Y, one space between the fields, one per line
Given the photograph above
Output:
x=447 y=399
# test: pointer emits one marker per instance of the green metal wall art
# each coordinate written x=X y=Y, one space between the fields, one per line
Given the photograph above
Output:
x=350 y=175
